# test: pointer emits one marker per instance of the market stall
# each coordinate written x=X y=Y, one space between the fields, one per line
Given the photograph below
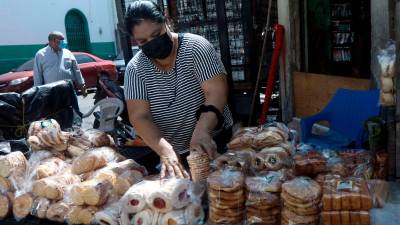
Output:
x=264 y=178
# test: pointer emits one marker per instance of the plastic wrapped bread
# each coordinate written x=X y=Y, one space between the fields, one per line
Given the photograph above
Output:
x=174 y=217
x=92 y=192
x=265 y=182
x=40 y=207
x=58 y=211
x=47 y=134
x=126 y=218
x=171 y=194
x=274 y=158
x=134 y=200
x=14 y=162
x=237 y=159
x=126 y=180
x=22 y=206
x=5 y=205
x=54 y=187
x=94 y=159
x=5 y=185
x=346 y=194
x=346 y=217
x=109 y=215
x=97 y=138
x=243 y=138
x=81 y=215
x=309 y=163
x=268 y=138
x=49 y=167
x=379 y=190
x=194 y=214
x=144 y=217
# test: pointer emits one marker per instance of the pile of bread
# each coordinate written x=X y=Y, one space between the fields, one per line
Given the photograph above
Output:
x=74 y=177
x=161 y=202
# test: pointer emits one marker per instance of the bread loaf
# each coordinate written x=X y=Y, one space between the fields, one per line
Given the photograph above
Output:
x=49 y=167
x=5 y=206
x=92 y=192
x=81 y=215
x=13 y=162
x=39 y=207
x=53 y=187
x=58 y=211
x=22 y=205
x=5 y=185
x=93 y=159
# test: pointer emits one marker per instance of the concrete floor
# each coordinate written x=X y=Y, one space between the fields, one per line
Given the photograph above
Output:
x=390 y=214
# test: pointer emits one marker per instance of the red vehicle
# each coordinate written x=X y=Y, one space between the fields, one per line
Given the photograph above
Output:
x=91 y=66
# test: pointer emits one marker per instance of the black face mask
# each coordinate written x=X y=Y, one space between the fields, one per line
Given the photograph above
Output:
x=158 y=48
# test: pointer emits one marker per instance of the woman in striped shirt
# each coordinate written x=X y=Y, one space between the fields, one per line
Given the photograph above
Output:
x=175 y=89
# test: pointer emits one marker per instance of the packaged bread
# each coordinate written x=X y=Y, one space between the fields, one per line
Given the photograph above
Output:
x=271 y=159
x=170 y=194
x=58 y=211
x=54 y=187
x=226 y=197
x=39 y=207
x=346 y=194
x=109 y=215
x=5 y=185
x=48 y=134
x=5 y=205
x=22 y=206
x=199 y=165
x=302 y=190
x=266 y=182
x=97 y=138
x=94 y=159
x=291 y=218
x=92 y=192
x=345 y=217
x=126 y=218
x=14 y=162
x=174 y=217
x=243 y=138
x=309 y=163
x=268 y=137
x=238 y=159
x=194 y=214
x=134 y=200
x=81 y=215
x=49 y=167
x=145 y=217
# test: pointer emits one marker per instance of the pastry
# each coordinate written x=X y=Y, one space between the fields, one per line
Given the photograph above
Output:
x=109 y=215
x=144 y=217
x=81 y=215
x=5 y=206
x=194 y=214
x=134 y=200
x=13 y=162
x=57 y=211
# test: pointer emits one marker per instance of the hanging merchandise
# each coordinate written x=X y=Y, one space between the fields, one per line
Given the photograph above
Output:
x=387 y=58
x=279 y=45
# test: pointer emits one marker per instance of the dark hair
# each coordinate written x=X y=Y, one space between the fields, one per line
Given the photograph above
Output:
x=142 y=10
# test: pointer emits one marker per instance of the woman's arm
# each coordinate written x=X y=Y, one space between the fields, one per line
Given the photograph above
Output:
x=141 y=118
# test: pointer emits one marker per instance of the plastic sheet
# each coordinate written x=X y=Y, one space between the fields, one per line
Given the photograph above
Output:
x=346 y=194
x=379 y=190
x=109 y=215
x=40 y=207
x=239 y=160
x=226 y=197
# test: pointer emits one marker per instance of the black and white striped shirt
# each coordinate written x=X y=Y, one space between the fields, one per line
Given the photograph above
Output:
x=175 y=96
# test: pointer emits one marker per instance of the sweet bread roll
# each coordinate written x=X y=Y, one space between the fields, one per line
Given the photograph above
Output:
x=109 y=215
x=144 y=217
x=22 y=206
x=49 y=167
x=194 y=214
x=91 y=192
x=174 y=217
x=58 y=211
x=5 y=206
x=39 y=207
x=5 y=185
x=81 y=215
x=93 y=159
x=172 y=194
x=53 y=187
x=134 y=200
x=13 y=162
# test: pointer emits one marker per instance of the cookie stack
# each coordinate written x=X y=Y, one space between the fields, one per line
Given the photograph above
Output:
x=226 y=197
x=301 y=199
x=309 y=163
x=199 y=165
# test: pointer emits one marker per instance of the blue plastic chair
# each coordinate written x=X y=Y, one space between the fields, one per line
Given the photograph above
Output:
x=346 y=113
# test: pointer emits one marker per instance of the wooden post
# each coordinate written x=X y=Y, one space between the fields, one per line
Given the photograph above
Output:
x=288 y=16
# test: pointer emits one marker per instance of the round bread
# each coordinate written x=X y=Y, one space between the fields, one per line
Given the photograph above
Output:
x=297 y=219
x=269 y=182
x=270 y=212
x=263 y=198
x=303 y=189
x=296 y=203
x=238 y=194
x=225 y=204
x=301 y=210
x=236 y=212
x=226 y=180
x=226 y=218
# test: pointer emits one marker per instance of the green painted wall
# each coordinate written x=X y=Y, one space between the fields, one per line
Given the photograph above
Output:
x=104 y=50
x=11 y=56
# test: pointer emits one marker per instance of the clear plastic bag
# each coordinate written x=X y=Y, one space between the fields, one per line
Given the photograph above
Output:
x=346 y=217
x=379 y=190
x=346 y=194
x=109 y=215
x=238 y=159
x=47 y=135
x=5 y=147
x=387 y=59
x=226 y=197
x=95 y=192
x=309 y=163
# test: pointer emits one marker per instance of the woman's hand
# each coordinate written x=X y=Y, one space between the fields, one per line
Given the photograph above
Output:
x=203 y=142
x=171 y=166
